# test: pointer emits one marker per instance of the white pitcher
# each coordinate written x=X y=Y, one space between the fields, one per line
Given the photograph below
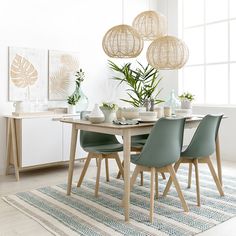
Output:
x=19 y=106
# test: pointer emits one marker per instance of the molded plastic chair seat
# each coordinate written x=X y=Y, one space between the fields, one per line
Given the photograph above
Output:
x=134 y=158
x=161 y=150
x=106 y=148
x=199 y=150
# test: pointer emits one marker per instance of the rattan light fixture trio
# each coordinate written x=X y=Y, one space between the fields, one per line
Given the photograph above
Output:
x=167 y=53
x=122 y=41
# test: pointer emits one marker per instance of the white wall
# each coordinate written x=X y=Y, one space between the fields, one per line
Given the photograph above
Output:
x=69 y=25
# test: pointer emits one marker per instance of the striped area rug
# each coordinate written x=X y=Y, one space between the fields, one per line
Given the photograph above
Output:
x=83 y=214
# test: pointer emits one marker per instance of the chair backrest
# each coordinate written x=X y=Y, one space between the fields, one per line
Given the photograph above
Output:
x=88 y=139
x=163 y=146
x=203 y=141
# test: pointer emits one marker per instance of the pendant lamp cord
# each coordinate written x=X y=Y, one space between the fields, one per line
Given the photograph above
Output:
x=123 y=9
x=167 y=16
x=149 y=5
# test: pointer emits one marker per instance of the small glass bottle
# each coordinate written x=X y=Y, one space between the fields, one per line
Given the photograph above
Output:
x=173 y=102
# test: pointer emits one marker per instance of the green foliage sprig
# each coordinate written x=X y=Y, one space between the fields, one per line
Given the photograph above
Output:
x=73 y=99
x=109 y=106
x=187 y=96
x=79 y=77
x=142 y=81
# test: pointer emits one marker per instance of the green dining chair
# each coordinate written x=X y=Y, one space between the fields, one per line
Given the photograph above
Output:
x=199 y=150
x=137 y=143
x=161 y=150
x=100 y=146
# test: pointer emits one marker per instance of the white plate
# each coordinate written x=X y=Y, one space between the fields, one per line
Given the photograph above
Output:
x=146 y=121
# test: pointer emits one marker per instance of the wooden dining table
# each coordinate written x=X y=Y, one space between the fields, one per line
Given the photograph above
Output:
x=126 y=131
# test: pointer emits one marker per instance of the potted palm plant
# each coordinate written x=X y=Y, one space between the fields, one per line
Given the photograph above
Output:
x=142 y=83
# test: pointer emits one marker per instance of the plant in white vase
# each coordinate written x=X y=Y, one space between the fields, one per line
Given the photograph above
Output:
x=186 y=100
x=109 y=110
x=72 y=101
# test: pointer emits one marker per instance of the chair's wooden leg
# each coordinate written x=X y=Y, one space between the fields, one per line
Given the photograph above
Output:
x=107 y=169
x=178 y=189
x=216 y=179
x=190 y=175
x=119 y=164
x=167 y=188
x=96 y=161
x=218 y=159
x=119 y=173
x=86 y=164
x=141 y=178
x=163 y=175
x=152 y=192
x=195 y=162
x=156 y=182
x=98 y=176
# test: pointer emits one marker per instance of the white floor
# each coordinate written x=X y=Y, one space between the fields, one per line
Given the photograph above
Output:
x=13 y=222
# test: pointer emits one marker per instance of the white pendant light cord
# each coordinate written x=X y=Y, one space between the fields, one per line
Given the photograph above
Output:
x=149 y=5
x=167 y=16
x=123 y=9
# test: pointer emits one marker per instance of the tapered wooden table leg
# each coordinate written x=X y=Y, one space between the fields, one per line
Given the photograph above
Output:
x=126 y=138
x=74 y=135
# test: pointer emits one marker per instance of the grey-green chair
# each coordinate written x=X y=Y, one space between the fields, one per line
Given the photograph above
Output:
x=161 y=150
x=137 y=143
x=100 y=146
x=199 y=150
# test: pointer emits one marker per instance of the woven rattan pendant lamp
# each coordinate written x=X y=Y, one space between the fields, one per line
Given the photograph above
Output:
x=167 y=53
x=150 y=24
x=122 y=41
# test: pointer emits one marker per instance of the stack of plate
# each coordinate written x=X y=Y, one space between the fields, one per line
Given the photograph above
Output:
x=148 y=116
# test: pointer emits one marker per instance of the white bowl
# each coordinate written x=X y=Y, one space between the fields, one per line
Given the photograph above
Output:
x=148 y=115
x=183 y=112
x=96 y=119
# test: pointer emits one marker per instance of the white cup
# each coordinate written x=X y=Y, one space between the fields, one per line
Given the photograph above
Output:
x=159 y=111
x=19 y=106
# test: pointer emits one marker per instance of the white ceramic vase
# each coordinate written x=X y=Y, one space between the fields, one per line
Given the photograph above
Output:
x=110 y=115
x=96 y=115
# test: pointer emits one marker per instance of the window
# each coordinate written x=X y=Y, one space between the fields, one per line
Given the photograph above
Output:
x=209 y=29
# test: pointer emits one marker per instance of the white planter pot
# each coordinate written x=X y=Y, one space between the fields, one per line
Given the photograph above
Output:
x=186 y=104
x=71 y=109
x=110 y=115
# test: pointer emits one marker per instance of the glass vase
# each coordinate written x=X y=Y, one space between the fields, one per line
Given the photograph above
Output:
x=82 y=104
x=172 y=102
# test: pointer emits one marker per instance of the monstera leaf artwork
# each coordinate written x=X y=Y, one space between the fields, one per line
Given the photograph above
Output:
x=27 y=74
x=62 y=68
x=23 y=74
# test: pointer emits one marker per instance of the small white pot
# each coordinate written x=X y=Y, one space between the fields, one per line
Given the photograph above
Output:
x=71 y=109
x=186 y=104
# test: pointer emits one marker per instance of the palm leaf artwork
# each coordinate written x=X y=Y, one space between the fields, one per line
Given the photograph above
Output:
x=69 y=62
x=142 y=82
x=60 y=84
x=23 y=73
